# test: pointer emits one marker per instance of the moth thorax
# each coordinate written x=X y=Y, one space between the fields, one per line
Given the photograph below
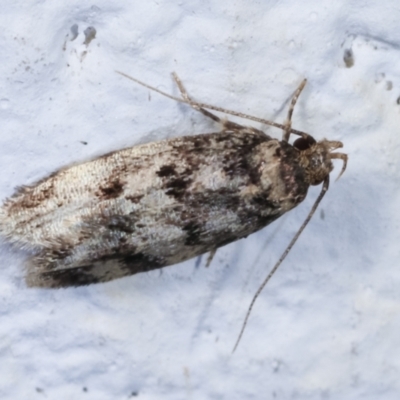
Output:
x=317 y=160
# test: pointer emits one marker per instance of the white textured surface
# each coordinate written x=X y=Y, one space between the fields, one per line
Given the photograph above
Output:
x=327 y=326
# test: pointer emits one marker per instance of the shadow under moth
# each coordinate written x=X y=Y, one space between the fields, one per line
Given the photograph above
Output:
x=160 y=203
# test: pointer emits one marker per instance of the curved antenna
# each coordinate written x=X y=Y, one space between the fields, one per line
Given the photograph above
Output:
x=283 y=256
x=288 y=123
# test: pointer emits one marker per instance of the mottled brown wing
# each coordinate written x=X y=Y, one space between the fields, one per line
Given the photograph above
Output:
x=150 y=206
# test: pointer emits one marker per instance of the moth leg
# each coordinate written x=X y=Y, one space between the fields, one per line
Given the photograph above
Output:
x=225 y=123
x=288 y=122
x=342 y=157
x=210 y=257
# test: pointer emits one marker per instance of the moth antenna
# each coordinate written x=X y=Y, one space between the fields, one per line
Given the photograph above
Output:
x=183 y=91
x=288 y=123
x=283 y=256
x=344 y=158
x=197 y=105
x=225 y=123
x=185 y=99
x=151 y=87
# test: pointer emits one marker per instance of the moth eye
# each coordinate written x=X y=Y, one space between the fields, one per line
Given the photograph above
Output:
x=303 y=144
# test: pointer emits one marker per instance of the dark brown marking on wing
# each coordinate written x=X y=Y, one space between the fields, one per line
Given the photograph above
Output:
x=166 y=171
x=111 y=190
x=193 y=232
x=122 y=223
x=177 y=187
x=176 y=184
x=126 y=264
x=67 y=277
x=238 y=159
x=141 y=262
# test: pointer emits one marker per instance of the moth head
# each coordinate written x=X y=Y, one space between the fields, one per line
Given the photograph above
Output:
x=316 y=157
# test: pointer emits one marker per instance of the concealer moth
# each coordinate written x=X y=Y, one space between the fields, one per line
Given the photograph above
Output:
x=160 y=203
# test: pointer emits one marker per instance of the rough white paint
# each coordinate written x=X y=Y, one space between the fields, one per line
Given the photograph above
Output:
x=327 y=326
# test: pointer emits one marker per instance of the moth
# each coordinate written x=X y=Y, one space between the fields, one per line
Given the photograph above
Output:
x=160 y=203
